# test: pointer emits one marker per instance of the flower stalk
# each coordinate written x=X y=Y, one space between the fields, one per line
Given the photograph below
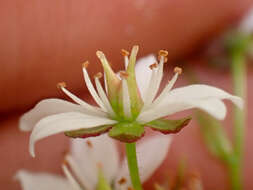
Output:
x=133 y=165
x=238 y=70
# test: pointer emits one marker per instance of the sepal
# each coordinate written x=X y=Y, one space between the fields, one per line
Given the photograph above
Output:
x=127 y=132
x=166 y=126
x=88 y=132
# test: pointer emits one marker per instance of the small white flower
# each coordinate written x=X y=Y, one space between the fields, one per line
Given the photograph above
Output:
x=128 y=104
x=89 y=156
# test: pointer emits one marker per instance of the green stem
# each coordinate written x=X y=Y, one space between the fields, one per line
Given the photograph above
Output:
x=235 y=175
x=133 y=165
x=238 y=69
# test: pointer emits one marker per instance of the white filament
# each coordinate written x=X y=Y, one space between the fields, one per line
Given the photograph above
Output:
x=87 y=106
x=92 y=89
x=103 y=97
x=165 y=91
x=126 y=60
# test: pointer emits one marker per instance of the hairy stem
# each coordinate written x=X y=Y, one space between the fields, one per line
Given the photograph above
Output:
x=133 y=165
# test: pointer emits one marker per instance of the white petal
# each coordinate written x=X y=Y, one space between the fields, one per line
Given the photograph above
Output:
x=126 y=99
x=143 y=72
x=150 y=155
x=200 y=91
x=82 y=177
x=71 y=179
x=91 y=152
x=41 y=181
x=64 y=122
x=246 y=26
x=203 y=97
x=48 y=107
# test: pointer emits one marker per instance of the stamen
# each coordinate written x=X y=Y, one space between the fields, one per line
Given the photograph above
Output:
x=154 y=65
x=95 y=110
x=130 y=188
x=122 y=181
x=165 y=59
x=166 y=90
x=156 y=79
x=61 y=85
x=126 y=99
x=98 y=75
x=85 y=64
x=163 y=53
x=103 y=97
x=178 y=70
x=123 y=74
x=124 y=52
x=150 y=87
x=89 y=144
x=71 y=178
x=92 y=89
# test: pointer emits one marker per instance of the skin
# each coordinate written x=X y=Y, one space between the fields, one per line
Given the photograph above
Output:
x=43 y=43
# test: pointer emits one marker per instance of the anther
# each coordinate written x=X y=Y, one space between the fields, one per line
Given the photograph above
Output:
x=61 y=85
x=98 y=75
x=154 y=65
x=130 y=188
x=85 y=64
x=163 y=53
x=124 y=52
x=65 y=162
x=178 y=70
x=89 y=144
x=122 y=181
x=123 y=74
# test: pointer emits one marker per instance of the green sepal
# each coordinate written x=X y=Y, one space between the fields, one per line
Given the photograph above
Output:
x=168 y=126
x=127 y=131
x=214 y=136
x=136 y=101
x=88 y=132
x=102 y=183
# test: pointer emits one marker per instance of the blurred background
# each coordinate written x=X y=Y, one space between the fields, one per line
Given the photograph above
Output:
x=45 y=42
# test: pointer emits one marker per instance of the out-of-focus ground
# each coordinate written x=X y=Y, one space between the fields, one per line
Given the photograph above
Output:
x=44 y=42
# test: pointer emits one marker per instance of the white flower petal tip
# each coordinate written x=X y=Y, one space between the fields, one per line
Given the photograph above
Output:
x=204 y=97
x=63 y=122
x=239 y=102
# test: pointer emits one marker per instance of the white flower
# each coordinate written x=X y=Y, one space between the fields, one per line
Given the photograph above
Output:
x=246 y=25
x=127 y=105
x=89 y=156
